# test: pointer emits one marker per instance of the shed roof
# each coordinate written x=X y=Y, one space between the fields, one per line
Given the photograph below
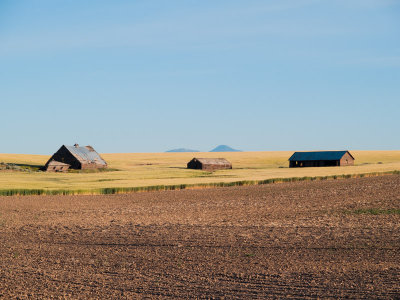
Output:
x=86 y=154
x=212 y=161
x=318 y=155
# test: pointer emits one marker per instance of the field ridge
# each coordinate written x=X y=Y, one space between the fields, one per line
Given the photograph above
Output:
x=124 y=190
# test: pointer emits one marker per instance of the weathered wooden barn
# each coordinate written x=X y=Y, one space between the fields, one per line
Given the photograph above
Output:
x=209 y=164
x=56 y=166
x=76 y=157
x=321 y=159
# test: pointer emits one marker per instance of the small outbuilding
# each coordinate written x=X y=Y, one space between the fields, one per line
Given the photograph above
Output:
x=75 y=157
x=209 y=164
x=321 y=159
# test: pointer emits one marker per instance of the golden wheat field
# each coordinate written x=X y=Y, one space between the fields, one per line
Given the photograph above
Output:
x=151 y=169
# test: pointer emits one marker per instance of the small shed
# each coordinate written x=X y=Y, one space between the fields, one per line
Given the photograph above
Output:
x=209 y=164
x=56 y=166
x=321 y=159
x=77 y=157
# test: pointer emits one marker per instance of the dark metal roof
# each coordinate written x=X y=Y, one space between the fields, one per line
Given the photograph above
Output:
x=318 y=155
x=86 y=155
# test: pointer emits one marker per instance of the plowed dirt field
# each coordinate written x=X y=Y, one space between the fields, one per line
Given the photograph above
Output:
x=338 y=238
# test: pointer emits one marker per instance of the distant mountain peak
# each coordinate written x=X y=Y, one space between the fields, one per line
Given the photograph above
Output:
x=182 y=150
x=224 y=148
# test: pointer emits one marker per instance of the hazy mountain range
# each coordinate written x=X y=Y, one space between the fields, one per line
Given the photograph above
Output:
x=220 y=148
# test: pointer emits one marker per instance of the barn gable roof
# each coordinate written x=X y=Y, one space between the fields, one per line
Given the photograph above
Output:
x=318 y=155
x=212 y=161
x=86 y=155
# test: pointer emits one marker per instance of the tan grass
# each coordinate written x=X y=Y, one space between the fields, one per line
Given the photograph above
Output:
x=151 y=169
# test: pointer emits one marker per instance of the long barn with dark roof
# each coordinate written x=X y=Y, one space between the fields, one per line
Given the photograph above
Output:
x=321 y=159
x=209 y=164
x=75 y=157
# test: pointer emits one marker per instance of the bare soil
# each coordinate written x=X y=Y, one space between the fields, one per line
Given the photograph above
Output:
x=299 y=240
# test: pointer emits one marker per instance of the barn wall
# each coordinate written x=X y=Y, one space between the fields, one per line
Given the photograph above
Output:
x=215 y=167
x=347 y=160
x=92 y=166
x=57 y=168
x=314 y=163
x=207 y=167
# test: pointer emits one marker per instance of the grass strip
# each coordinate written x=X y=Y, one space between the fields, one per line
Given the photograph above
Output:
x=124 y=190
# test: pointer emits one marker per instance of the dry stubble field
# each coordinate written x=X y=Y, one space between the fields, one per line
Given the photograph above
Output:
x=155 y=169
x=335 y=238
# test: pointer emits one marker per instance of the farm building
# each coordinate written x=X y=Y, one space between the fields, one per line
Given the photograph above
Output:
x=209 y=164
x=75 y=157
x=321 y=159
x=56 y=166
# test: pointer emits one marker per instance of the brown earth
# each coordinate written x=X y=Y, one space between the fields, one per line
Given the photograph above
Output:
x=300 y=240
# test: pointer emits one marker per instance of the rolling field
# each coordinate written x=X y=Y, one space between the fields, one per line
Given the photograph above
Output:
x=156 y=169
x=301 y=240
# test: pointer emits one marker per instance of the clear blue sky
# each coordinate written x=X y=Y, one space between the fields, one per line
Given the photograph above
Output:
x=148 y=76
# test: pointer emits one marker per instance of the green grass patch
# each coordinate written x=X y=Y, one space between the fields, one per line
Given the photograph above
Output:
x=108 y=179
x=18 y=167
x=249 y=255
